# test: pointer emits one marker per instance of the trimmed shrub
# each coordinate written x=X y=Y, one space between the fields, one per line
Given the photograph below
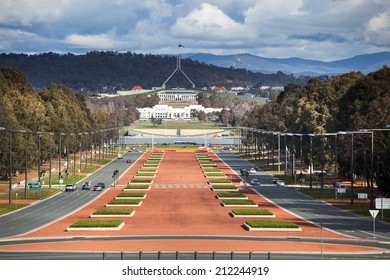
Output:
x=238 y=202
x=121 y=211
x=231 y=194
x=130 y=194
x=124 y=201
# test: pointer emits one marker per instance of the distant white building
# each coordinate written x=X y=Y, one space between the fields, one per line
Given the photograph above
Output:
x=163 y=111
x=178 y=96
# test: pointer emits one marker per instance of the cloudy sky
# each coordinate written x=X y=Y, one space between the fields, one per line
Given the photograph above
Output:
x=313 y=29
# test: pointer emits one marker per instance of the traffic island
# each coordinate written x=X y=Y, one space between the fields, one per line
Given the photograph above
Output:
x=265 y=225
x=113 y=213
x=100 y=225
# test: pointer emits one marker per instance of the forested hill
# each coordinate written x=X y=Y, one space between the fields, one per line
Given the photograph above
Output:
x=120 y=71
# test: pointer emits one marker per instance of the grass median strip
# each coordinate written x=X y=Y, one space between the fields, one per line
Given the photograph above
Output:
x=121 y=211
x=124 y=202
x=130 y=194
x=252 y=212
x=238 y=202
x=271 y=224
x=231 y=194
x=96 y=224
x=137 y=187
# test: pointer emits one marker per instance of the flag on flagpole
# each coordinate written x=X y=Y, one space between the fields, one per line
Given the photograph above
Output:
x=180 y=46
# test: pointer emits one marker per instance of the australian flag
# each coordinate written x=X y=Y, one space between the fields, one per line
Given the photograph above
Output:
x=180 y=46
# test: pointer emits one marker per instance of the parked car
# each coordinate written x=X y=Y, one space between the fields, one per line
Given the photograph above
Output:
x=255 y=182
x=275 y=180
x=70 y=187
x=252 y=171
x=280 y=183
x=86 y=186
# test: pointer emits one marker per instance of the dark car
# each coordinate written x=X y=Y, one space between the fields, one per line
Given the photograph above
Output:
x=86 y=186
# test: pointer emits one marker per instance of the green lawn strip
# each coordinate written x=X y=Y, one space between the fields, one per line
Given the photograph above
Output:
x=222 y=175
x=151 y=165
x=124 y=201
x=238 y=202
x=145 y=181
x=96 y=224
x=31 y=194
x=130 y=194
x=270 y=224
x=231 y=194
x=220 y=181
x=208 y=165
x=145 y=174
x=66 y=179
x=137 y=187
x=245 y=212
x=117 y=211
x=225 y=187
x=212 y=169
x=6 y=208
x=147 y=170
x=205 y=160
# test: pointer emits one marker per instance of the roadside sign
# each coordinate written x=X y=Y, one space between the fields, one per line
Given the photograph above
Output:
x=362 y=196
x=382 y=203
x=341 y=190
x=34 y=186
x=61 y=181
x=374 y=213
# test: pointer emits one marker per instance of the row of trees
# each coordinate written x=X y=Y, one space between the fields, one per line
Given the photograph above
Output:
x=53 y=109
x=95 y=70
x=347 y=102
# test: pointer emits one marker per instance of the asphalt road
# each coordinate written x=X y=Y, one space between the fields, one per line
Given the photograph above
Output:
x=63 y=204
x=310 y=209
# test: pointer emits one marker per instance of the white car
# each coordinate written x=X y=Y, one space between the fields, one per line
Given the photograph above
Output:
x=255 y=182
x=252 y=171
x=280 y=183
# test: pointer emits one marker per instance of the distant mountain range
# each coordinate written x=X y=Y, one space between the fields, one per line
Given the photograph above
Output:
x=298 y=66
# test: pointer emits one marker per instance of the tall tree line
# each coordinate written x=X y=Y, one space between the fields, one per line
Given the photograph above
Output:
x=347 y=102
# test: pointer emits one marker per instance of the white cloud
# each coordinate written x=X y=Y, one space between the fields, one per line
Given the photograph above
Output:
x=210 y=23
x=378 y=29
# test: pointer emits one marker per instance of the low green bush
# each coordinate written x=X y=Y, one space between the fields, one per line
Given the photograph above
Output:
x=252 y=212
x=124 y=201
x=121 y=211
x=215 y=175
x=149 y=170
x=145 y=174
x=238 y=202
x=271 y=224
x=211 y=170
x=96 y=224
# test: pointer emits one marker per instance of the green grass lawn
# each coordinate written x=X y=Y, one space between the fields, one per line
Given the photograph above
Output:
x=130 y=194
x=178 y=124
x=6 y=208
x=31 y=194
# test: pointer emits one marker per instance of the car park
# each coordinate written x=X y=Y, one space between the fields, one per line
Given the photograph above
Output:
x=70 y=187
x=86 y=186
x=255 y=182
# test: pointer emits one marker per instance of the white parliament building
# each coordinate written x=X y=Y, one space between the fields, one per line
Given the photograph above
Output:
x=164 y=111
